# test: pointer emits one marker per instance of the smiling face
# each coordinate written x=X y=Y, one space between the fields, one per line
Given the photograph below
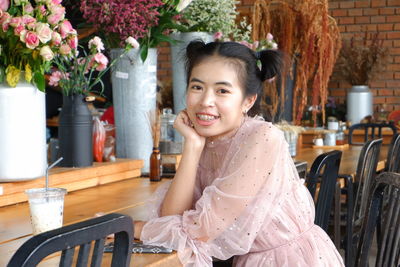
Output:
x=215 y=99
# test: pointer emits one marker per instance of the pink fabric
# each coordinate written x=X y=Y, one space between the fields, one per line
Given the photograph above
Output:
x=249 y=202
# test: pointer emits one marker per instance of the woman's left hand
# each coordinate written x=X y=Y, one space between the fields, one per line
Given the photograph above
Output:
x=138 y=226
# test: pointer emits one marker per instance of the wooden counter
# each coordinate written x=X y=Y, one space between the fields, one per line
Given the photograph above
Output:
x=73 y=179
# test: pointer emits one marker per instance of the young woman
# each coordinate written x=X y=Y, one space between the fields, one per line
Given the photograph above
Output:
x=236 y=191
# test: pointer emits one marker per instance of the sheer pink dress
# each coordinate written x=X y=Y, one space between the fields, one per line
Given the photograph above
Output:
x=249 y=202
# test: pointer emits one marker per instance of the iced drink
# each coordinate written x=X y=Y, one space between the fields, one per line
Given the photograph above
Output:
x=46 y=208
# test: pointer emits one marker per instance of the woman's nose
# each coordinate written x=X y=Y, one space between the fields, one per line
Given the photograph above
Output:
x=208 y=98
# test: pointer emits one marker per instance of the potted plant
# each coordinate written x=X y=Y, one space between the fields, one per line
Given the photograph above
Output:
x=134 y=76
x=32 y=33
x=199 y=20
x=77 y=73
x=360 y=61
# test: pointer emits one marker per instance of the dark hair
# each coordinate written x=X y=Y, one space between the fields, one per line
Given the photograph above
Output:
x=250 y=75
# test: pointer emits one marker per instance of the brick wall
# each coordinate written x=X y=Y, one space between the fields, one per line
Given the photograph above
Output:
x=352 y=17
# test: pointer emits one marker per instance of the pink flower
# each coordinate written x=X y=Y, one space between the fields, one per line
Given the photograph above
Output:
x=55 y=38
x=182 y=5
x=245 y=43
x=19 y=29
x=133 y=42
x=5 y=21
x=55 y=77
x=42 y=10
x=65 y=28
x=270 y=37
x=73 y=41
x=27 y=19
x=46 y=53
x=31 y=40
x=100 y=61
x=256 y=44
x=56 y=2
x=28 y=9
x=15 y=21
x=65 y=49
x=96 y=43
x=44 y=32
x=4 y=4
x=218 y=35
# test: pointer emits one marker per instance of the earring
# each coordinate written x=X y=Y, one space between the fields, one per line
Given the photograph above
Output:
x=245 y=112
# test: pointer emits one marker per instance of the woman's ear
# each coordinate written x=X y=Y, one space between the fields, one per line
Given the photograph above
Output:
x=249 y=102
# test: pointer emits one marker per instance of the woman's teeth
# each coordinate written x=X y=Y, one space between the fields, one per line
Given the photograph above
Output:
x=206 y=117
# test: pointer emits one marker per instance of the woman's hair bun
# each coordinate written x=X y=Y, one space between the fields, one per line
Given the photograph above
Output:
x=271 y=63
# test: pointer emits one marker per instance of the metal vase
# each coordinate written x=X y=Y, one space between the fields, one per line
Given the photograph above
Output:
x=22 y=132
x=75 y=132
x=359 y=103
x=134 y=85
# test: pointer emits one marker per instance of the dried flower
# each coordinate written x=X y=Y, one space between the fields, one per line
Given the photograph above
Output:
x=360 y=60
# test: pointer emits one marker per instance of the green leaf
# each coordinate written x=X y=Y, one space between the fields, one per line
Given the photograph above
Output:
x=39 y=81
x=144 y=49
x=2 y=74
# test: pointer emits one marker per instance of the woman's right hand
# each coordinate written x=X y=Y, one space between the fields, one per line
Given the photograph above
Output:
x=185 y=127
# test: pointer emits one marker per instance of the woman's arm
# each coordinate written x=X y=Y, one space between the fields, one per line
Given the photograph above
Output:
x=179 y=197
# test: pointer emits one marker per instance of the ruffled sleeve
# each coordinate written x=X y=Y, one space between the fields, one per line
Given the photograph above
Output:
x=231 y=211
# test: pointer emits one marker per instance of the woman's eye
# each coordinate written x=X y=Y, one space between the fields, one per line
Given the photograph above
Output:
x=223 y=91
x=196 y=87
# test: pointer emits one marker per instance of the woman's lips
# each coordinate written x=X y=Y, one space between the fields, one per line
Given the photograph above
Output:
x=205 y=119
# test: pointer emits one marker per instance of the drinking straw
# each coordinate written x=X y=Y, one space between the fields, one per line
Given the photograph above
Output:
x=47 y=171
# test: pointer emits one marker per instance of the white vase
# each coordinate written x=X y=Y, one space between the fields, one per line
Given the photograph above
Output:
x=134 y=85
x=178 y=53
x=359 y=103
x=22 y=132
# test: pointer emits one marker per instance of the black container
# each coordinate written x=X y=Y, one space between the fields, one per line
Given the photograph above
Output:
x=75 y=132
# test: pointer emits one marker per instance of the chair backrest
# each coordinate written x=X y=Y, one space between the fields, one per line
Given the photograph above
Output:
x=393 y=158
x=369 y=131
x=384 y=205
x=364 y=179
x=324 y=171
x=82 y=234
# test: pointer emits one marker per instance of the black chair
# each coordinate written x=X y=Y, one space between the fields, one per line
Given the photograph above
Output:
x=356 y=205
x=324 y=171
x=369 y=131
x=393 y=157
x=81 y=234
x=383 y=206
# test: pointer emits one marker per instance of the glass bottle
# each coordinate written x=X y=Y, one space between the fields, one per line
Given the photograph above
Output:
x=340 y=136
x=155 y=165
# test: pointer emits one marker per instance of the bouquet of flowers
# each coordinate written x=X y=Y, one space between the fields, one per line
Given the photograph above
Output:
x=210 y=16
x=148 y=21
x=31 y=34
x=78 y=74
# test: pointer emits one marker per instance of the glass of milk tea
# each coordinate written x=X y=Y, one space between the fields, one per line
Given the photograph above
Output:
x=46 y=208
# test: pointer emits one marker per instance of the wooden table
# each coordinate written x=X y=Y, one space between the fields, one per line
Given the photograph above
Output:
x=350 y=155
x=127 y=197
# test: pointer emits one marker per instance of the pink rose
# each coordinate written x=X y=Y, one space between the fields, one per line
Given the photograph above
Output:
x=245 y=43
x=46 y=53
x=133 y=42
x=5 y=21
x=19 y=29
x=57 y=14
x=27 y=19
x=270 y=37
x=42 y=10
x=15 y=21
x=31 y=40
x=4 y=4
x=56 y=2
x=96 y=43
x=53 y=19
x=100 y=61
x=55 y=38
x=65 y=28
x=44 y=32
x=65 y=49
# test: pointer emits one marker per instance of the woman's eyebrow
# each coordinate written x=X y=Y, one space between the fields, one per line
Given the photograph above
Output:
x=217 y=83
